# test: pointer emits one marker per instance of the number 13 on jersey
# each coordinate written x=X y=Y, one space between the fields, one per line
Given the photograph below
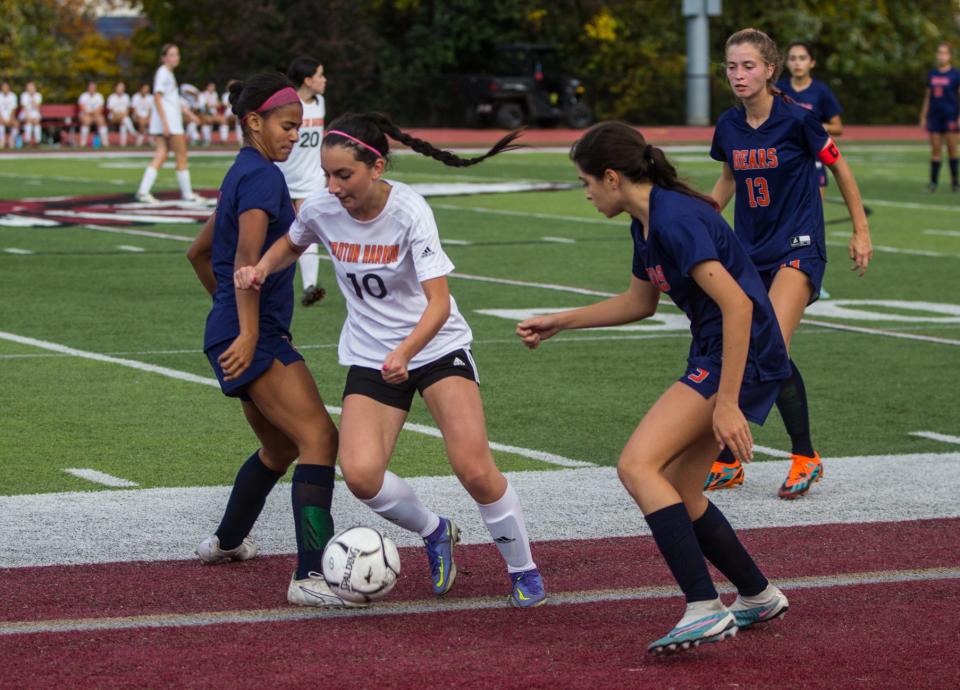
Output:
x=757 y=191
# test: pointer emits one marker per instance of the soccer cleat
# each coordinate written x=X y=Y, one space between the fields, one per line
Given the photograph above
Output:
x=312 y=294
x=209 y=551
x=313 y=590
x=146 y=198
x=804 y=472
x=195 y=198
x=528 y=589
x=712 y=628
x=443 y=570
x=932 y=187
x=748 y=613
x=724 y=475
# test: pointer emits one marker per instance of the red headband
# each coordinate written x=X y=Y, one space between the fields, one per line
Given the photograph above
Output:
x=356 y=141
x=284 y=96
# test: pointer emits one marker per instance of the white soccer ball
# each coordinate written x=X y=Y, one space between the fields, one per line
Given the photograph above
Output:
x=361 y=565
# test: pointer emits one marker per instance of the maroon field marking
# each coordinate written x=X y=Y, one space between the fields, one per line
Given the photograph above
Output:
x=144 y=588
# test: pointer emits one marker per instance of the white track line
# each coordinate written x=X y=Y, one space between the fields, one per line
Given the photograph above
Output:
x=405 y=608
x=934 y=436
x=542 y=456
x=98 y=477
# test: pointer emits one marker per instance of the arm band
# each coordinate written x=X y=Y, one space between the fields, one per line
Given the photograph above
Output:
x=830 y=154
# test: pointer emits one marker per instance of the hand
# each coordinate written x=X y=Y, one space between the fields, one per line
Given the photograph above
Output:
x=394 y=369
x=534 y=331
x=248 y=277
x=238 y=356
x=861 y=250
x=731 y=430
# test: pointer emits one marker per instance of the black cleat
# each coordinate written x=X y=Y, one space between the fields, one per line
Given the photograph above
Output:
x=312 y=294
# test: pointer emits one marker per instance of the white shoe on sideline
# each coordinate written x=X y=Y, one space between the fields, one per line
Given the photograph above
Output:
x=146 y=198
x=209 y=551
x=766 y=606
x=313 y=590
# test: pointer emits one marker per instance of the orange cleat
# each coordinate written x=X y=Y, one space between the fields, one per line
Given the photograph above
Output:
x=804 y=472
x=724 y=475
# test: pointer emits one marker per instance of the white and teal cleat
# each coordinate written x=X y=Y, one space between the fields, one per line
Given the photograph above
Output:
x=712 y=628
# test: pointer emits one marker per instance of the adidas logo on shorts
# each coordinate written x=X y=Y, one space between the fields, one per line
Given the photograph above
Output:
x=426 y=252
x=457 y=362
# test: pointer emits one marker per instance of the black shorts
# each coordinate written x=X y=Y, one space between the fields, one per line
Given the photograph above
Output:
x=369 y=382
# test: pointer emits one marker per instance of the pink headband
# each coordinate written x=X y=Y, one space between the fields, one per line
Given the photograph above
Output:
x=356 y=141
x=284 y=96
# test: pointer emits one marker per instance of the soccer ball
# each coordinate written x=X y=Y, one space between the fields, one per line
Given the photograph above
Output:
x=361 y=565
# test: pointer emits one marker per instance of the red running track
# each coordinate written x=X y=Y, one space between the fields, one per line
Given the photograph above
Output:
x=867 y=635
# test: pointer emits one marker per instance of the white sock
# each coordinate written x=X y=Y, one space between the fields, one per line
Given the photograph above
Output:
x=123 y=135
x=758 y=599
x=700 y=609
x=192 y=131
x=127 y=125
x=149 y=177
x=104 y=137
x=309 y=263
x=84 y=132
x=3 y=136
x=397 y=503
x=224 y=133
x=207 y=133
x=504 y=520
x=37 y=134
x=183 y=179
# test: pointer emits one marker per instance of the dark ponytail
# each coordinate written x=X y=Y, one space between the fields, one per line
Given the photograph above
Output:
x=247 y=96
x=373 y=129
x=618 y=146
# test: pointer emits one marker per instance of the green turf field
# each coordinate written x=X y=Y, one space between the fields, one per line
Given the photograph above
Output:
x=578 y=397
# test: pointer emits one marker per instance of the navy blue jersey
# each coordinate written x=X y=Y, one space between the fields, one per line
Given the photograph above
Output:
x=253 y=182
x=685 y=231
x=943 y=92
x=817 y=98
x=778 y=208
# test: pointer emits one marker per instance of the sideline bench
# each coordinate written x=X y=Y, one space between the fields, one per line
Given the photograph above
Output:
x=61 y=120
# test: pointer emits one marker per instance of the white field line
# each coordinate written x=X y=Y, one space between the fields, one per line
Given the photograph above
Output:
x=542 y=456
x=62 y=178
x=590 y=503
x=945 y=233
x=457 y=243
x=909 y=204
x=934 y=436
x=130 y=248
x=559 y=240
x=98 y=477
x=772 y=452
x=16 y=250
x=878 y=331
x=529 y=214
x=138 y=233
x=389 y=608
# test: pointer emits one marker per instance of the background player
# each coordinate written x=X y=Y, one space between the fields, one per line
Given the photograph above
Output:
x=939 y=114
x=8 y=116
x=118 y=112
x=30 y=101
x=209 y=102
x=683 y=247
x=768 y=147
x=142 y=104
x=90 y=112
x=403 y=334
x=166 y=127
x=248 y=342
x=813 y=95
x=302 y=170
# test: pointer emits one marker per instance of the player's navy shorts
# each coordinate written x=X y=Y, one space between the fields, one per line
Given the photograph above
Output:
x=270 y=346
x=813 y=266
x=369 y=382
x=941 y=125
x=756 y=397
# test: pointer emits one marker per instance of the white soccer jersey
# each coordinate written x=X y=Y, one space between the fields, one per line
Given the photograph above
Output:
x=8 y=103
x=380 y=264
x=142 y=105
x=30 y=104
x=165 y=84
x=118 y=103
x=208 y=101
x=302 y=169
x=90 y=102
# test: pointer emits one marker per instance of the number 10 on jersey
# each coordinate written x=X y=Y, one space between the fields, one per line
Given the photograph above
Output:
x=370 y=283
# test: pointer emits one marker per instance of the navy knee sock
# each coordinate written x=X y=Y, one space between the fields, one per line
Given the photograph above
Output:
x=792 y=403
x=953 y=169
x=674 y=535
x=726 y=456
x=721 y=547
x=934 y=172
x=254 y=481
x=312 y=494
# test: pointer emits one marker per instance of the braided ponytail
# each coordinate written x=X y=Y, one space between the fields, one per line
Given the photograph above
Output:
x=367 y=134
